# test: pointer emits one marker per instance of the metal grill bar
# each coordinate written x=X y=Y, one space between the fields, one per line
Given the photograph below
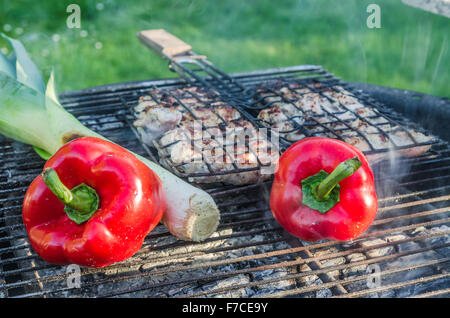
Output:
x=398 y=285
x=365 y=277
x=295 y=250
x=432 y=294
x=286 y=264
x=217 y=78
x=316 y=272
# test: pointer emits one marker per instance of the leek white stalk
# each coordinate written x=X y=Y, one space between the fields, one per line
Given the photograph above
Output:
x=32 y=114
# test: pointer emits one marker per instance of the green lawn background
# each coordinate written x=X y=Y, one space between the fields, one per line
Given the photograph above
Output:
x=410 y=51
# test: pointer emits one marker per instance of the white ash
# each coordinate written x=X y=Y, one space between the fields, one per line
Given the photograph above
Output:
x=273 y=287
x=229 y=282
x=411 y=260
x=330 y=262
x=162 y=260
x=354 y=270
x=376 y=252
x=158 y=260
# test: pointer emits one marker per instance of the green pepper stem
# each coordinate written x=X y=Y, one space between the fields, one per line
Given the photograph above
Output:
x=81 y=202
x=342 y=171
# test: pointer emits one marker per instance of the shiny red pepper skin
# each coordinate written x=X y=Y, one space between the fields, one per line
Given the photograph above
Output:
x=358 y=203
x=132 y=202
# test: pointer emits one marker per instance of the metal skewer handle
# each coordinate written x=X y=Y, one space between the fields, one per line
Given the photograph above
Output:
x=189 y=65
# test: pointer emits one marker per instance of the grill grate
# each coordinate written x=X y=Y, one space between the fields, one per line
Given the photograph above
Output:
x=250 y=255
x=205 y=120
x=310 y=102
x=310 y=107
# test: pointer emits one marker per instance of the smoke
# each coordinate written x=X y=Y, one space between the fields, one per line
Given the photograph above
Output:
x=389 y=173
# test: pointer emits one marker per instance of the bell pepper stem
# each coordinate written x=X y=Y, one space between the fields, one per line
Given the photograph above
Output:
x=342 y=171
x=81 y=202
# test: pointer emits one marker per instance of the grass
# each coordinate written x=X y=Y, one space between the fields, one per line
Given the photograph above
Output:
x=410 y=51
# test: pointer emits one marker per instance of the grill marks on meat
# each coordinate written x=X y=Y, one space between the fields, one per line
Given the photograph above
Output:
x=153 y=119
x=195 y=132
x=198 y=134
x=299 y=111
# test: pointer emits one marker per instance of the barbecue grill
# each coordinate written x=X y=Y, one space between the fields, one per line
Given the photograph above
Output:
x=404 y=253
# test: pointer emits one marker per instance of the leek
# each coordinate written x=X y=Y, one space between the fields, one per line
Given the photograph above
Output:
x=31 y=113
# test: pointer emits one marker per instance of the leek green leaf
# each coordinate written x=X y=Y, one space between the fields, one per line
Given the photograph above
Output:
x=26 y=71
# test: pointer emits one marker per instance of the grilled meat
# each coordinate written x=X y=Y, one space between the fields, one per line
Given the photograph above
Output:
x=199 y=135
x=299 y=111
x=154 y=120
x=207 y=139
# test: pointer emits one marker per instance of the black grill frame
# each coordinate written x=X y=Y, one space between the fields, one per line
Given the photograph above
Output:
x=244 y=97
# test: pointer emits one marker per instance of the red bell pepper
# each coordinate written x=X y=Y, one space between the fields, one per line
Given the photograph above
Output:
x=323 y=189
x=114 y=202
